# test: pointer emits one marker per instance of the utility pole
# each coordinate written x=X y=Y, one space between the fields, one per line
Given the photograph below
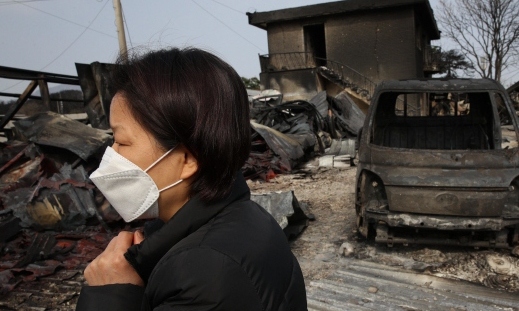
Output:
x=120 y=29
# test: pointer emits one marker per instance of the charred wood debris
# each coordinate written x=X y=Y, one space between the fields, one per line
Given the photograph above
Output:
x=53 y=218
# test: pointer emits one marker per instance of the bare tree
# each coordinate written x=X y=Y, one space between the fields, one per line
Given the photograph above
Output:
x=487 y=31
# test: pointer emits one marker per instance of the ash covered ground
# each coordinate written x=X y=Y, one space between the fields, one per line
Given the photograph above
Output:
x=330 y=195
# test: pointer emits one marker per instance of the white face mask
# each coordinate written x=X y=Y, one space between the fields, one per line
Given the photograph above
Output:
x=130 y=190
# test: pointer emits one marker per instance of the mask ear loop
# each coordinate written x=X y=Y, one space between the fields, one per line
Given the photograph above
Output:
x=171 y=186
x=158 y=160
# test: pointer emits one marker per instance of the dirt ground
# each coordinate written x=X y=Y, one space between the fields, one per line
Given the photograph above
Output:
x=329 y=194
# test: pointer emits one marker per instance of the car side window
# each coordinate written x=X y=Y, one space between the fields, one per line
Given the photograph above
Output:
x=509 y=138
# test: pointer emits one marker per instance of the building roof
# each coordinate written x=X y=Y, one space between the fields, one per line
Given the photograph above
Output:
x=262 y=19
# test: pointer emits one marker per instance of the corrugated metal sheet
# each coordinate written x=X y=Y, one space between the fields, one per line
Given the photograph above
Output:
x=365 y=285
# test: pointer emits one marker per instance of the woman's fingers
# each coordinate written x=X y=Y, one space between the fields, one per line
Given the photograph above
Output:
x=110 y=267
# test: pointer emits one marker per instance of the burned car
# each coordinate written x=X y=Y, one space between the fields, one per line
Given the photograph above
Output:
x=439 y=164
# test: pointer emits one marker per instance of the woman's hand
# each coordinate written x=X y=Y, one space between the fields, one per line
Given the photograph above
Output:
x=110 y=267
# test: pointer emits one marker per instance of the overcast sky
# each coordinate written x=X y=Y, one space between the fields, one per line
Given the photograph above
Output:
x=52 y=35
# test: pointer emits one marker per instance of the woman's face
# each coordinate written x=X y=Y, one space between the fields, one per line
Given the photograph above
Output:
x=137 y=145
x=134 y=143
x=131 y=140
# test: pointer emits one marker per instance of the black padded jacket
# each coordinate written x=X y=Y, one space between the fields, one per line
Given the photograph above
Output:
x=230 y=255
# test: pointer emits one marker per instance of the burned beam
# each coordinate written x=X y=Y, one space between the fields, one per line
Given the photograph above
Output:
x=93 y=79
x=40 y=98
x=44 y=91
x=16 y=106
x=23 y=74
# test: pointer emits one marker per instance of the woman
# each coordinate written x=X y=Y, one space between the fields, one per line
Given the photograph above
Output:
x=181 y=134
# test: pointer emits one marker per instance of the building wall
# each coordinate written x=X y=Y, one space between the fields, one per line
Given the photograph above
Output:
x=294 y=84
x=379 y=44
x=285 y=37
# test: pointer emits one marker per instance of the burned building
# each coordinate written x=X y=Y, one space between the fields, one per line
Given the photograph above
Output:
x=350 y=44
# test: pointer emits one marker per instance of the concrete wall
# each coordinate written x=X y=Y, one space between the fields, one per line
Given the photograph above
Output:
x=379 y=44
x=294 y=84
x=286 y=37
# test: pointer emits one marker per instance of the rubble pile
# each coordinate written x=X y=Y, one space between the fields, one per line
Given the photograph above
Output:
x=286 y=134
x=32 y=255
x=293 y=216
x=45 y=181
x=47 y=200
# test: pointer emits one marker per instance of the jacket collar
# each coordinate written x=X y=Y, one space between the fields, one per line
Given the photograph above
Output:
x=193 y=215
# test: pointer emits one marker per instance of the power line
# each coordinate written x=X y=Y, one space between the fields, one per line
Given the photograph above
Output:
x=126 y=25
x=67 y=48
x=81 y=34
x=230 y=8
x=59 y=17
x=227 y=26
x=11 y=2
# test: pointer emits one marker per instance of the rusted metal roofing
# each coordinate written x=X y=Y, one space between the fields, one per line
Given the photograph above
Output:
x=364 y=285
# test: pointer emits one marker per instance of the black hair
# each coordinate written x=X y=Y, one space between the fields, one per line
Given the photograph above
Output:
x=192 y=97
